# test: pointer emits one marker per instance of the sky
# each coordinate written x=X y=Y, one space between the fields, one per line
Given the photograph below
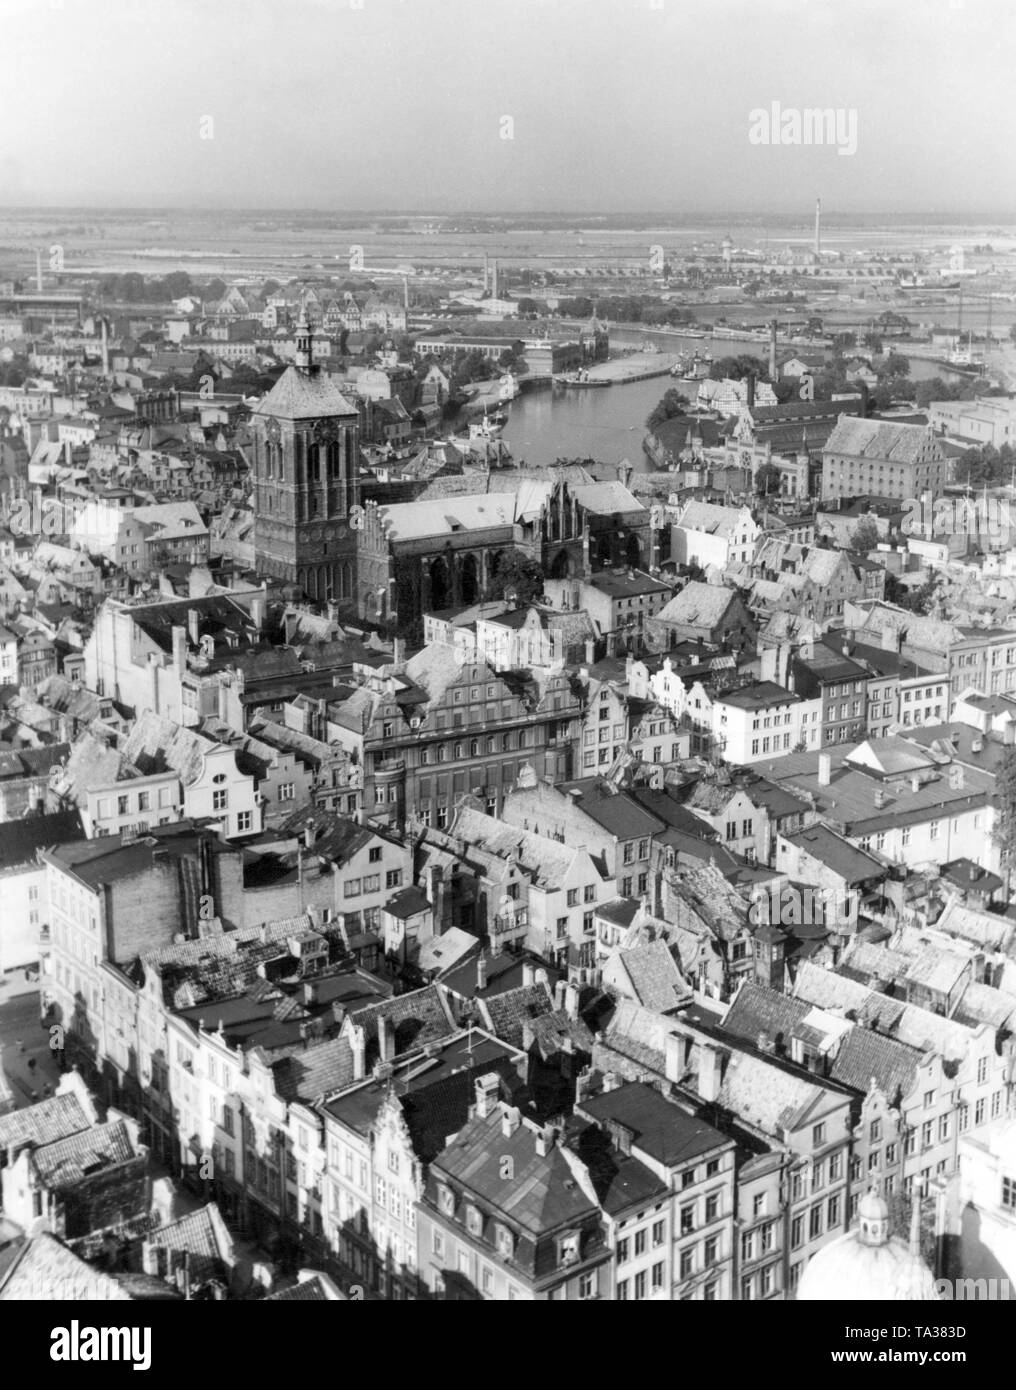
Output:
x=506 y=105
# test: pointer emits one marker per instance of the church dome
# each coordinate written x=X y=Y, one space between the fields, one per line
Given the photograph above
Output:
x=867 y=1264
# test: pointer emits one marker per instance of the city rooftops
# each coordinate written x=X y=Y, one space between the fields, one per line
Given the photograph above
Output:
x=619 y=814
x=627 y=584
x=94 y=862
x=844 y=859
x=761 y=695
x=661 y=1129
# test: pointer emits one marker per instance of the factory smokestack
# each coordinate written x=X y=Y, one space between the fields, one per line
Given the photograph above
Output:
x=772 y=351
x=486 y=273
x=105 y=350
x=38 y=271
x=493 y=280
x=818 y=226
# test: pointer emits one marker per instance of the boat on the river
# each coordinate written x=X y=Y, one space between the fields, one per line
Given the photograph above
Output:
x=581 y=380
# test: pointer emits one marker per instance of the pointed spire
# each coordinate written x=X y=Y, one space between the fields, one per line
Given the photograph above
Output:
x=304 y=339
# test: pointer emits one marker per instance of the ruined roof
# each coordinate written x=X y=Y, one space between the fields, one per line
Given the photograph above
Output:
x=45 y=1122
x=46 y=1270
x=67 y=1161
x=204 y=1238
x=654 y=977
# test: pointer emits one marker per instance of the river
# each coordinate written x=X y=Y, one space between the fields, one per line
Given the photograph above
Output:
x=545 y=424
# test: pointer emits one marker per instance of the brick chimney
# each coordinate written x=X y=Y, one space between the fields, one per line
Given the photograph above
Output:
x=545 y=1140
x=710 y=1073
x=385 y=1040
x=825 y=769
x=510 y=1121
x=481 y=972
x=358 y=1042
x=487 y=1088
x=528 y=972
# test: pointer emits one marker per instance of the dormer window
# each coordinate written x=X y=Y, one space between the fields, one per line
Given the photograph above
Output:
x=446 y=1200
x=568 y=1249
x=474 y=1221
x=505 y=1242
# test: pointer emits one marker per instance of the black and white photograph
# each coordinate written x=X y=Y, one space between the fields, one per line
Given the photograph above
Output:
x=507 y=666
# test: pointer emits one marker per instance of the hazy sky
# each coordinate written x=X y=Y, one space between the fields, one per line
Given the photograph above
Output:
x=616 y=105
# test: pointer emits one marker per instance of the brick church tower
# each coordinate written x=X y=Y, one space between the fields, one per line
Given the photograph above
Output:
x=306 y=480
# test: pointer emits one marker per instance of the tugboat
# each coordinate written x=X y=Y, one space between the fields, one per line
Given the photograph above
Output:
x=582 y=379
x=489 y=427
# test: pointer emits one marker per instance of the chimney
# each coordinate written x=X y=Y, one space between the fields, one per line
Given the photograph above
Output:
x=1009 y=734
x=751 y=390
x=590 y=652
x=540 y=978
x=975 y=873
x=559 y=994
x=180 y=649
x=611 y=1082
x=528 y=972
x=571 y=1001
x=825 y=769
x=772 y=350
x=358 y=1042
x=385 y=1040
x=193 y=619
x=879 y=799
x=399 y=653
x=487 y=1087
x=105 y=349
x=710 y=1076
x=223 y=702
x=481 y=973
x=510 y=1121
x=545 y=1140
x=257 y=614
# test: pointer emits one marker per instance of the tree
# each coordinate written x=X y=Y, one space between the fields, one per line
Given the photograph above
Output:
x=767 y=480
x=736 y=368
x=131 y=288
x=519 y=574
x=669 y=408
x=895 y=365
x=864 y=536
x=176 y=284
